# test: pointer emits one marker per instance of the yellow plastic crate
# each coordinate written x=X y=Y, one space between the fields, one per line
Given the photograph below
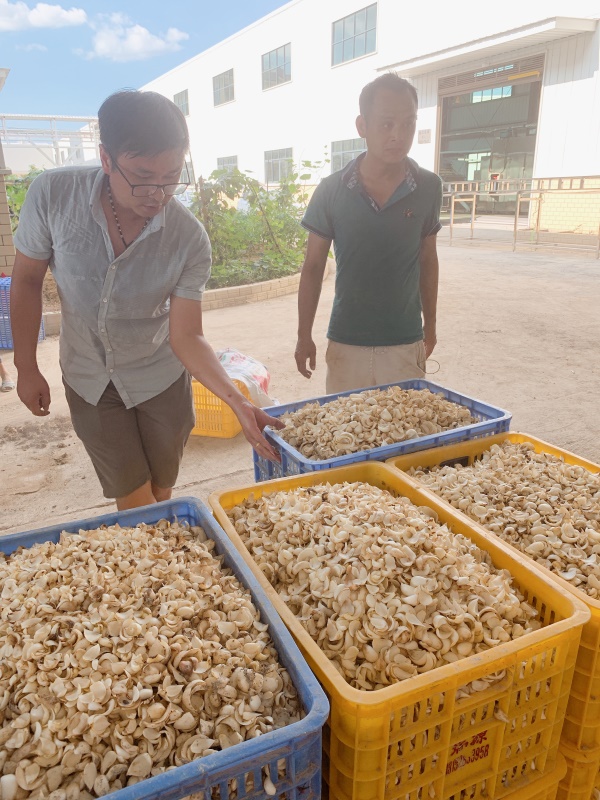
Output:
x=545 y=788
x=413 y=738
x=581 y=774
x=581 y=731
x=213 y=416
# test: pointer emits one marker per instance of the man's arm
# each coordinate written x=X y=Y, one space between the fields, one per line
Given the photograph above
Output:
x=197 y=356
x=309 y=292
x=26 y=314
x=429 y=291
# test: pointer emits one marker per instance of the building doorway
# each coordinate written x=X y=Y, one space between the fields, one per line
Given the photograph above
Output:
x=489 y=125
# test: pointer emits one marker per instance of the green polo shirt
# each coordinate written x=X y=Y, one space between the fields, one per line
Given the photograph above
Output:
x=377 y=296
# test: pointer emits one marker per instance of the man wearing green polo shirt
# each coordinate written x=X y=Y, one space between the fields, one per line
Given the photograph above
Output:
x=382 y=214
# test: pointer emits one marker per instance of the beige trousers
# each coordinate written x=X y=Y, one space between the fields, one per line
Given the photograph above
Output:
x=352 y=367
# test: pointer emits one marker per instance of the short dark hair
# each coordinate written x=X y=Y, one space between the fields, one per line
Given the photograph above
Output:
x=141 y=123
x=389 y=80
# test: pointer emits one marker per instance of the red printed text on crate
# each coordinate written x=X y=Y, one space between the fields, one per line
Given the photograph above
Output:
x=467 y=751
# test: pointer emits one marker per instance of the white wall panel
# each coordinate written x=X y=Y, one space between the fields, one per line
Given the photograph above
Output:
x=569 y=125
x=320 y=103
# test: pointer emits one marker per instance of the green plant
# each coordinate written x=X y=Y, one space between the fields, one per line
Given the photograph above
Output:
x=259 y=238
x=16 y=189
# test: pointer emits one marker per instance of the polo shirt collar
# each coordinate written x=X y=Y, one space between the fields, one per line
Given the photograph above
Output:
x=351 y=175
x=351 y=179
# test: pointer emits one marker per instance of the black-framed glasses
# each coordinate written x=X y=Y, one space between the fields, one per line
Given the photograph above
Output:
x=148 y=189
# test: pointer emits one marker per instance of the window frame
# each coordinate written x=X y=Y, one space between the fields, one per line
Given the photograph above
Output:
x=181 y=106
x=279 y=161
x=347 y=26
x=275 y=67
x=229 y=167
x=341 y=153
x=224 y=87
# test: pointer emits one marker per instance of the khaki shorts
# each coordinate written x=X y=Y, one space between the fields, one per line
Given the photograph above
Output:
x=352 y=367
x=129 y=446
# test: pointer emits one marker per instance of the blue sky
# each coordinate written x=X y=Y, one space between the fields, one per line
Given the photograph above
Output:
x=66 y=58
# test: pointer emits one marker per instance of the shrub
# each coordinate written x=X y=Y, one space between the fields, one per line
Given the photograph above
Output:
x=255 y=232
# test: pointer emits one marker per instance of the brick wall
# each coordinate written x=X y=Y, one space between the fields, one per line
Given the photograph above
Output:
x=567 y=212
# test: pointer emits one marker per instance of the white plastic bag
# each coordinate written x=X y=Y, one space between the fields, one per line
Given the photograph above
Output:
x=251 y=372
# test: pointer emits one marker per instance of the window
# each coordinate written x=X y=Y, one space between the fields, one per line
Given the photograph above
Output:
x=181 y=101
x=223 y=88
x=277 y=66
x=491 y=94
x=493 y=70
x=354 y=36
x=344 y=151
x=187 y=173
x=228 y=162
x=278 y=164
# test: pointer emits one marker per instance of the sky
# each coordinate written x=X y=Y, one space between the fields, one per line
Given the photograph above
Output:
x=66 y=59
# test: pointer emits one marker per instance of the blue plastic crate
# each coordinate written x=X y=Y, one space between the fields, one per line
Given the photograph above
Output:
x=493 y=420
x=6 y=339
x=299 y=744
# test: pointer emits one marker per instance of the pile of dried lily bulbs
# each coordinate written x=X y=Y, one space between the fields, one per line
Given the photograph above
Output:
x=369 y=419
x=124 y=652
x=548 y=509
x=384 y=589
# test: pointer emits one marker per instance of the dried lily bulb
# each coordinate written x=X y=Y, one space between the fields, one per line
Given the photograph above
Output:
x=384 y=590
x=370 y=419
x=125 y=652
x=546 y=508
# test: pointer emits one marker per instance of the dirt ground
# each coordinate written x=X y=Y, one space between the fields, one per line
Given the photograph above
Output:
x=518 y=330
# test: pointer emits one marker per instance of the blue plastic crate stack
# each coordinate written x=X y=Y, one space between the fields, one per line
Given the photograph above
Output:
x=6 y=339
x=298 y=745
x=492 y=421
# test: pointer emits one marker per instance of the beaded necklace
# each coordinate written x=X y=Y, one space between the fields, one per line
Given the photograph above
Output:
x=114 y=211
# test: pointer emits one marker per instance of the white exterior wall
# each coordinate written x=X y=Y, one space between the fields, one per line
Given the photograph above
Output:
x=568 y=140
x=320 y=104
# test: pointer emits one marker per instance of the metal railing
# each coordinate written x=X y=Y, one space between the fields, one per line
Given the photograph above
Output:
x=524 y=221
x=501 y=185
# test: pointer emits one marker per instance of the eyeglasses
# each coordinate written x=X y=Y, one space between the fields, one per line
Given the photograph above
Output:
x=148 y=189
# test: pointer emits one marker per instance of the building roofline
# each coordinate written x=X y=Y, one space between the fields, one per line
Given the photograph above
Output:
x=540 y=31
x=225 y=41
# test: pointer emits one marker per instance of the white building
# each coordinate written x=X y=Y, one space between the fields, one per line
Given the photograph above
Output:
x=510 y=94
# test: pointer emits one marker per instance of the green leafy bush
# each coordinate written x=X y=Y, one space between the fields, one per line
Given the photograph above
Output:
x=16 y=189
x=255 y=231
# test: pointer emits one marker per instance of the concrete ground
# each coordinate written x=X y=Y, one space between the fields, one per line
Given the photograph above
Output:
x=518 y=330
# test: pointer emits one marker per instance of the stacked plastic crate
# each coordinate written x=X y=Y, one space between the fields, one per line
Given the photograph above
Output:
x=6 y=338
x=415 y=739
x=580 y=743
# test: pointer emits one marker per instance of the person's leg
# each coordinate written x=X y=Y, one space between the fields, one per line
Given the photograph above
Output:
x=160 y=494
x=348 y=367
x=400 y=363
x=6 y=382
x=110 y=435
x=165 y=423
x=143 y=496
